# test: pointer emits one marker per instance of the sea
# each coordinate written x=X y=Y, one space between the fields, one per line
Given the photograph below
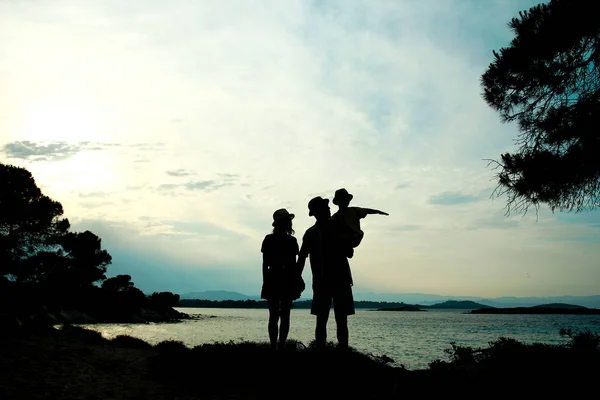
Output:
x=410 y=338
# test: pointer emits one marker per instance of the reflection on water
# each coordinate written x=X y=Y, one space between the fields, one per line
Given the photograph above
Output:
x=410 y=338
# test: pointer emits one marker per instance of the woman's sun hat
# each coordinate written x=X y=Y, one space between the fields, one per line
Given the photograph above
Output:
x=280 y=214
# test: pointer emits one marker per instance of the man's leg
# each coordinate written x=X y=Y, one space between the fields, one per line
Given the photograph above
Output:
x=343 y=305
x=341 y=322
x=321 y=329
x=320 y=307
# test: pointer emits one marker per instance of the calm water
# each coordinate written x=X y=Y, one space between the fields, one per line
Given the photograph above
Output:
x=410 y=338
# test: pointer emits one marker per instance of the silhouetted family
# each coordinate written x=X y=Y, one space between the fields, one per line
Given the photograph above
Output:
x=327 y=244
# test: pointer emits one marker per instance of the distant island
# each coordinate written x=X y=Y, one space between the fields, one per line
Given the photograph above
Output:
x=405 y=308
x=456 y=305
x=553 y=308
x=446 y=305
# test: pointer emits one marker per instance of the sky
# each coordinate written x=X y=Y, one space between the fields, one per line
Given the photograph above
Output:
x=173 y=130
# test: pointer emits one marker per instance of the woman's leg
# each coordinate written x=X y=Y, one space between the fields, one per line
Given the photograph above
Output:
x=284 y=327
x=273 y=320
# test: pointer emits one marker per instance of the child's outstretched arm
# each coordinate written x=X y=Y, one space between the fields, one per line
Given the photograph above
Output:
x=373 y=211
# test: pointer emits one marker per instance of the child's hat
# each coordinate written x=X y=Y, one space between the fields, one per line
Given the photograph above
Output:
x=341 y=194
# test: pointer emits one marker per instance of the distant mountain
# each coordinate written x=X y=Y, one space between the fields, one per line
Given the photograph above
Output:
x=216 y=295
x=457 y=305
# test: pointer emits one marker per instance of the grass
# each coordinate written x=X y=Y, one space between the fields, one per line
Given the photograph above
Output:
x=73 y=362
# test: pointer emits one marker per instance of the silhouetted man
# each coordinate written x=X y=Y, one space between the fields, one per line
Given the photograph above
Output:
x=332 y=281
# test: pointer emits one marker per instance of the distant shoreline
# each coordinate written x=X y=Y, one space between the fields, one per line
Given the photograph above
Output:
x=468 y=307
x=306 y=304
x=537 y=310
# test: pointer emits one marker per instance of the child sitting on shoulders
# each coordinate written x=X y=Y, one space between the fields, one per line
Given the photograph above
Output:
x=348 y=220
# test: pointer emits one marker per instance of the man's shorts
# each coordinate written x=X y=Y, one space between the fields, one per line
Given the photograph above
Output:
x=342 y=299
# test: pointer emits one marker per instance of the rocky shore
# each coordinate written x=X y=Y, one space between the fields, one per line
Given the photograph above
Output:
x=45 y=317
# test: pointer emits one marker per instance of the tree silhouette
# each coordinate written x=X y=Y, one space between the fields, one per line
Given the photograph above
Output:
x=46 y=268
x=35 y=243
x=119 y=283
x=30 y=223
x=548 y=81
x=87 y=261
x=164 y=299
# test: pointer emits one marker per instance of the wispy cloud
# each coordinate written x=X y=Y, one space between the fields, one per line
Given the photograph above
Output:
x=94 y=194
x=26 y=150
x=205 y=186
x=61 y=150
x=180 y=172
x=402 y=185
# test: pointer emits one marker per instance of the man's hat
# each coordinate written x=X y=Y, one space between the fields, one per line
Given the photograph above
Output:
x=315 y=203
x=341 y=194
x=281 y=214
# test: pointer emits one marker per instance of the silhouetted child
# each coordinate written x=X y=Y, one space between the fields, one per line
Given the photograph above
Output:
x=348 y=220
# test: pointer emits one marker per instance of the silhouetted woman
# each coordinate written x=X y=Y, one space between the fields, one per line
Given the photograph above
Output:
x=281 y=278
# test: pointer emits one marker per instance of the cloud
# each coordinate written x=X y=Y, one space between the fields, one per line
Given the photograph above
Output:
x=203 y=229
x=180 y=172
x=26 y=150
x=95 y=204
x=453 y=198
x=148 y=146
x=402 y=185
x=228 y=176
x=170 y=186
x=61 y=150
x=204 y=186
x=94 y=194
x=153 y=266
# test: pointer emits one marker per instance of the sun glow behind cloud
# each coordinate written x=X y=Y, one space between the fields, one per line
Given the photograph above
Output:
x=56 y=120
x=174 y=130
